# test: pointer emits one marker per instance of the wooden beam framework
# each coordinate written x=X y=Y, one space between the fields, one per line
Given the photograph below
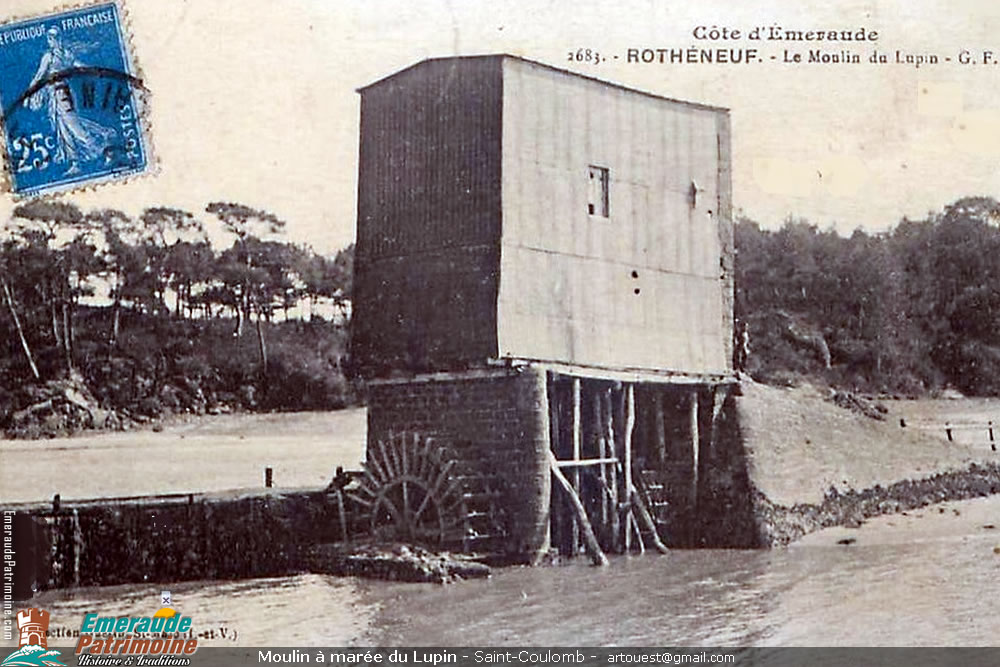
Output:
x=629 y=457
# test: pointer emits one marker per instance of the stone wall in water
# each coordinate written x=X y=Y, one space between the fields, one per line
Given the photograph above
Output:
x=155 y=539
x=726 y=514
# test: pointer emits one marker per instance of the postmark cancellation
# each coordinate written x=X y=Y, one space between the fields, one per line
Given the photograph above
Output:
x=72 y=101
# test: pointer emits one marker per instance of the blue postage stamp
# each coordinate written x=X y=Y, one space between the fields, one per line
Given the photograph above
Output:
x=72 y=101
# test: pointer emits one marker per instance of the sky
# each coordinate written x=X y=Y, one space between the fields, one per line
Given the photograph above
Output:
x=254 y=101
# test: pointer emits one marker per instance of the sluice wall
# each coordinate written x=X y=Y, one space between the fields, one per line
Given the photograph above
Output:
x=108 y=542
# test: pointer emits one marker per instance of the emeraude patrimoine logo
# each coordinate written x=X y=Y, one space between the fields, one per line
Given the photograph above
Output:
x=33 y=647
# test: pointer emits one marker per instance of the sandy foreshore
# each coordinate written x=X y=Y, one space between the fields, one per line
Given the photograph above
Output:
x=198 y=455
x=959 y=520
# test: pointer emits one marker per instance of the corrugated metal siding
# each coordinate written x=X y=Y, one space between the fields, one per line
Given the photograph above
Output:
x=428 y=216
x=567 y=292
x=429 y=159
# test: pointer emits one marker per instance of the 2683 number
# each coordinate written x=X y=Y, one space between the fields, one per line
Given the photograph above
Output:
x=585 y=56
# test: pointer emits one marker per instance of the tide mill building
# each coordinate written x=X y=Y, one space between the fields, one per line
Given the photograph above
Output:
x=543 y=311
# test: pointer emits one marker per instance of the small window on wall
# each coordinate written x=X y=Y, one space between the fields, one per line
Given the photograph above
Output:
x=597 y=191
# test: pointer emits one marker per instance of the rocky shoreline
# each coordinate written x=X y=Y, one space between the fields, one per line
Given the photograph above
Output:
x=67 y=407
x=393 y=562
x=781 y=525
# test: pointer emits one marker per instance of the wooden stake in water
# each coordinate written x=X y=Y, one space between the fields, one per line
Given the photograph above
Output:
x=660 y=427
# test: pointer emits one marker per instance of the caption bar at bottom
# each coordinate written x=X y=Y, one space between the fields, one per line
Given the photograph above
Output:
x=549 y=657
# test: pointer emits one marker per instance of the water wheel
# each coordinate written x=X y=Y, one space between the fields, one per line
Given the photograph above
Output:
x=411 y=490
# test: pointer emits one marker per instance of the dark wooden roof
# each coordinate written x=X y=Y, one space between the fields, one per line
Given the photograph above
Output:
x=696 y=105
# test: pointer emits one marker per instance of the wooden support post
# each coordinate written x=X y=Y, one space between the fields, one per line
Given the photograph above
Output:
x=556 y=514
x=553 y=396
x=589 y=539
x=634 y=525
x=601 y=453
x=618 y=401
x=627 y=446
x=577 y=446
x=661 y=428
x=77 y=547
x=540 y=539
x=647 y=519
x=268 y=477
x=695 y=444
x=609 y=426
x=993 y=444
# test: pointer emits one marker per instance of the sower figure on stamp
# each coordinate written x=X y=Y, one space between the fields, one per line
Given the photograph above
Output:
x=77 y=139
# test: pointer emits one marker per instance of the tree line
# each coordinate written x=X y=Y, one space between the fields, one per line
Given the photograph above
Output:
x=55 y=255
x=910 y=310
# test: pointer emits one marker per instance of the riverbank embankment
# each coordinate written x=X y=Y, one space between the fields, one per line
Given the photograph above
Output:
x=813 y=464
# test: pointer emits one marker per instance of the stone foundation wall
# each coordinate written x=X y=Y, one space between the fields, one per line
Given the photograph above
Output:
x=496 y=424
x=725 y=513
x=781 y=524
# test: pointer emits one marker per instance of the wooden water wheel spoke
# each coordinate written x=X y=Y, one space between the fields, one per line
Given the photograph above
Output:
x=379 y=454
x=373 y=461
x=408 y=518
x=358 y=499
x=424 y=458
x=371 y=479
x=437 y=485
x=409 y=492
x=393 y=455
